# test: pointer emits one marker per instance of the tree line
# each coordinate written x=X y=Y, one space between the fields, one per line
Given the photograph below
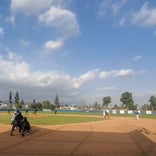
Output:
x=18 y=103
x=126 y=100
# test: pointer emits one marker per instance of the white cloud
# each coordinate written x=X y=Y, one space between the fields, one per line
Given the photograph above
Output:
x=119 y=73
x=111 y=7
x=53 y=45
x=17 y=75
x=51 y=79
x=123 y=73
x=136 y=58
x=13 y=56
x=85 y=78
x=50 y=13
x=105 y=74
x=145 y=17
x=13 y=71
x=63 y=20
x=27 y=6
x=16 y=69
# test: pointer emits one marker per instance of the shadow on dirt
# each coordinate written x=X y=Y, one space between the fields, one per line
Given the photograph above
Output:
x=147 y=146
x=59 y=142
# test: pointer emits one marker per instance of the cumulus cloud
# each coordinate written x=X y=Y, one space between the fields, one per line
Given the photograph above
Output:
x=145 y=17
x=16 y=74
x=27 y=6
x=19 y=72
x=105 y=74
x=85 y=78
x=114 y=73
x=124 y=73
x=53 y=45
x=49 y=13
x=13 y=71
x=63 y=20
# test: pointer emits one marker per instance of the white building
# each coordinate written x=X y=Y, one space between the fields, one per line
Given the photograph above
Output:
x=74 y=107
x=3 y=105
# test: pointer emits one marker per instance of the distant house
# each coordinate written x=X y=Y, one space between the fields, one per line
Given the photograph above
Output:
x=3 y=105
x=26 y=106
x=74 y=107
x=64 y=108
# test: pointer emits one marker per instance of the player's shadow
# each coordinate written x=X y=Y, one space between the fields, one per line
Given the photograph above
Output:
x=59 y=142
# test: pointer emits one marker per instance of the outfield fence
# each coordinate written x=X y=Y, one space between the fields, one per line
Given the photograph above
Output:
x=110 y=111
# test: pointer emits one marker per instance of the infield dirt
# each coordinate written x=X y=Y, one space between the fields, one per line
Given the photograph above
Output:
x=114 y=137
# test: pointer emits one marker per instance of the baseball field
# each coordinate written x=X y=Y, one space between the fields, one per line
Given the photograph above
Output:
x=85 y=135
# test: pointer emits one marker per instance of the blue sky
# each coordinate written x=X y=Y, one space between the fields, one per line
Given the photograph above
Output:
x=82 y=50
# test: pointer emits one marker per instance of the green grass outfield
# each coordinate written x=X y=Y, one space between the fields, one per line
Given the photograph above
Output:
x=49 y=118
x=148 y=116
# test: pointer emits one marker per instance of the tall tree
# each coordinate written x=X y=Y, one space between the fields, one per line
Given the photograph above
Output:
x=34 y=101
x=46 y=104
x=127 y=101
x=22 y=102
x=34 y=104
x=56 y=101
x=152 y=101
x=17 y=98
x=106 y=101
x=10 y=100
x=10 y=97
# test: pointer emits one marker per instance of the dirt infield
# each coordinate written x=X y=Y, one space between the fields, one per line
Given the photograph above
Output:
x=114 y=137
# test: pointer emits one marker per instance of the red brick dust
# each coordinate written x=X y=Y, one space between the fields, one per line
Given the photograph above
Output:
x=113 y=137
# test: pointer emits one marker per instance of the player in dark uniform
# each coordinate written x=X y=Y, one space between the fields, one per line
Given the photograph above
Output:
x=25 y=127
x=17 y=122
